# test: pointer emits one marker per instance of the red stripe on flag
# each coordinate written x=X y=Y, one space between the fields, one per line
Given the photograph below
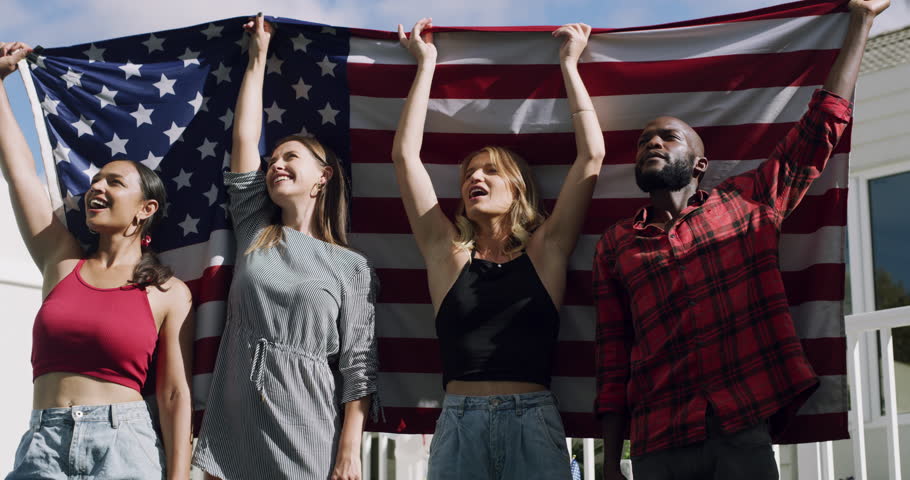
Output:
x=212 y=285
x=482 y=81
x=820 y=351
x=573 y=358
x=387 y=215
x=817 y=211
x=811 y=428
x=205 y=352
x=734 y=142
x=822 y=281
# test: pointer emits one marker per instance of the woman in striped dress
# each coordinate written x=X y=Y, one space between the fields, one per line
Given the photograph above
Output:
x=297 y=365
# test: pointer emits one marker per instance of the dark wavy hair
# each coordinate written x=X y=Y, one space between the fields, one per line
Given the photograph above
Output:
x=150 y=271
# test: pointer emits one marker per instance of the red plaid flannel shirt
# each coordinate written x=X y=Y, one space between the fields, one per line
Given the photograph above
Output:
x=698 y=313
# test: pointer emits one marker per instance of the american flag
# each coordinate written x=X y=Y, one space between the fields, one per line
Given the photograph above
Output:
x=167 y=99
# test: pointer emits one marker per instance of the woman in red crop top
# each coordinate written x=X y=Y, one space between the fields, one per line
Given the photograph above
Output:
x=103 y=315
x=497 y=275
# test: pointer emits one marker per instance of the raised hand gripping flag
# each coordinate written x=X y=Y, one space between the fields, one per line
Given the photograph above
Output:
x=167 y=99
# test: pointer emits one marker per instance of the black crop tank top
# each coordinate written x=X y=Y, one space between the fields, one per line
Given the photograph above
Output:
x=497 y=323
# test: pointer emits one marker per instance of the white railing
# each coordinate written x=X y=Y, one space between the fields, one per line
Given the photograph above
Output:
x=858 y=326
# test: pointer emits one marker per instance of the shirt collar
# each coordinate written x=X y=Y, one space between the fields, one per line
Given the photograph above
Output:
x=640 y=221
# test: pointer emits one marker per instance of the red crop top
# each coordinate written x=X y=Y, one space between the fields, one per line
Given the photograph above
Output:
x=106 y=333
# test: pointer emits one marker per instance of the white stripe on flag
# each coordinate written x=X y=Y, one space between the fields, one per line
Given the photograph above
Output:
x=615 y=112
x=538 y=48
x=377 y=180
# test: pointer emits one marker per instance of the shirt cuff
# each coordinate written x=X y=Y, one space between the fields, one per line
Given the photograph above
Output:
x=832 y=104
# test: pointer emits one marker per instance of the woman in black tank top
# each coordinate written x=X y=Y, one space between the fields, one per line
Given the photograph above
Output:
x=497 y=278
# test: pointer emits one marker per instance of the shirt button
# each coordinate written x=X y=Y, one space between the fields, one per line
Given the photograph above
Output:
x=78 y=413
x=691 y=303
x=682 y=267
x=672 y=235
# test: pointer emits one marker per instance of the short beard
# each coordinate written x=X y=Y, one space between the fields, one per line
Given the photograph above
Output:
x=675 y=176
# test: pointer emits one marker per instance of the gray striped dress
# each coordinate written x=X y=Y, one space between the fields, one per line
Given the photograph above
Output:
x=298 y=343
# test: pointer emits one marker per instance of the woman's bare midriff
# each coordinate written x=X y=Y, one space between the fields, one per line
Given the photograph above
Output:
x=487 y=388
x=63 y=389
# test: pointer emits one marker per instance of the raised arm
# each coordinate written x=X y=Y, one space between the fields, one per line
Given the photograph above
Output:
x=841 y=79
x=561 y=230
x=432 y=229
x=248 y=118
x=172 y=387
x=46 y=238
x=799 y=159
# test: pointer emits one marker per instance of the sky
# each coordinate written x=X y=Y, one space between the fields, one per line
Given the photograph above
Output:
x=55 y=23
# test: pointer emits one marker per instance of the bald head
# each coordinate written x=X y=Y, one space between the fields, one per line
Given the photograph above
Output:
x=673 y=124
x=670 y=156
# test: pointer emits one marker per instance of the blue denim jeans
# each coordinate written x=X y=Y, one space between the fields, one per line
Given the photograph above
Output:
x=499 y=437
x=90 y=442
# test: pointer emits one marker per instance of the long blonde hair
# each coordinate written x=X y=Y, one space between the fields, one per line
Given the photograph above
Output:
x=526 y=213
x=330 y=216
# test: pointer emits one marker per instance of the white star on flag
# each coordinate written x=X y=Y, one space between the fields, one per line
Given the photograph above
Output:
x=189 y=225
x=117 y=145
x=328 y=114
x=174 y=133
x=72 y=202
x=205 y=104
x=61 y=153
x=213 y=31
x=131 y=69
x=273 y=65
x=301 y=42
x=227 y=118
x=183 y=179
x=165 y=86
x=328 y=68
x=212 y=194
x=328 y=30
x=243 y=43
x=72 y=79
x=207 y=149
x=222 y=73
x=94 y=54
x=196 y=102
x=142 y=115
x=301 y=89
x=189 y=57
x=274 y=112
x=106 y=97
x=154 y=43
x=40 y=61
x=91 y=171
x=152 y=161
x=50 y=105
x=83 y=126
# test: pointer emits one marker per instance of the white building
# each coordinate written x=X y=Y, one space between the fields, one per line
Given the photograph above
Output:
x=879 y=257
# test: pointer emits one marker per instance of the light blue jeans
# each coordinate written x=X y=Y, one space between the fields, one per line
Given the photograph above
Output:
x=90 y=442
x=499 y=437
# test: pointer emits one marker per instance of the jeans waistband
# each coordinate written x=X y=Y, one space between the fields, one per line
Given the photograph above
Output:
x=113 y=414
x=517 y=402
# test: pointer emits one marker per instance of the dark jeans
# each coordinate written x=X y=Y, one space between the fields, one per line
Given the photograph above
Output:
x=743 y=455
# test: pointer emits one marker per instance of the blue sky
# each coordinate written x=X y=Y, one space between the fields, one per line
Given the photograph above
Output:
x=54 y=23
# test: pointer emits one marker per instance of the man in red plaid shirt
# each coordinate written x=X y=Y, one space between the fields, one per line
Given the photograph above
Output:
x=690 y=289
